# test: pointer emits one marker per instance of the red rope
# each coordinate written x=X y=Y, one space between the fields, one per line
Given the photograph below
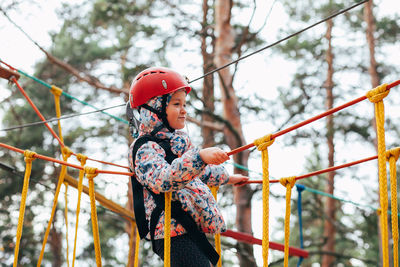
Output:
x=324 y=114
x=37 y=111
x=63 y=162
x=108 y=163
x=51 y=130
x=330 y=169
x=393 y=84
x=247 y=238
x=8 y=65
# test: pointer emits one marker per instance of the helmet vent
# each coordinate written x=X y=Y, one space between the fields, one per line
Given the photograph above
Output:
x=164 y=84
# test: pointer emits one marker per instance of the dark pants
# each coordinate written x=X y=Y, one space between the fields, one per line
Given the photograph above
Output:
x=184 y=252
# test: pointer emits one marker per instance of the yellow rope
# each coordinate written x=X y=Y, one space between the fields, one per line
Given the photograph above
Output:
x=57 y=92
x=90 y=174
x=392 y=156
x=29 y=157
x=288 y=183
x=131 y=238
x=82 y=159
x=262 y=144
x=376 y=96
x=167 y=230
x=137 y=248
x=66 y=153
x=214 y=190
x=66 y=218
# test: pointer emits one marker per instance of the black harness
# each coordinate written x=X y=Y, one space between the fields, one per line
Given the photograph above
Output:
x=177 y=212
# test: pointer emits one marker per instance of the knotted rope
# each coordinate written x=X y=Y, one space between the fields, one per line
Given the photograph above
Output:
x=57 y=92
x=29 y=157
x=392 y=156
x=90 y=174
x=66 y=153
x=66 y=218
x=288 y=183
x=167 y=230
x=214 y=191
x=376 y=96
x=262 y=144
x=82 y=159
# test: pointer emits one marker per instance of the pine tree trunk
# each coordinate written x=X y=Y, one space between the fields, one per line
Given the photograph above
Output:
x=233 y=134
x=330 y=207
x=208 y=81
x=129 y=203
x=375 y=81
x=55 y=242
x=369 y=19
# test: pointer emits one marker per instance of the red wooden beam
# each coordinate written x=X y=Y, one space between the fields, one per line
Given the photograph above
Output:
x=247 y=238
x=8 y=74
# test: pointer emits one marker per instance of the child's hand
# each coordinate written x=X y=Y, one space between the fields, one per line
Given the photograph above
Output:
x=213 y=155
x=238 y=179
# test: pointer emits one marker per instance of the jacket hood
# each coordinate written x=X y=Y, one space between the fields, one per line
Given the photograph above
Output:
x=149 y=120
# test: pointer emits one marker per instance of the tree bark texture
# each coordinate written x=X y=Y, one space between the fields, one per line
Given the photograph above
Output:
x=233 y=133
x=55 y=242
x=207 y=43
x=330 y=205
x=375 y=81
x=129 y=205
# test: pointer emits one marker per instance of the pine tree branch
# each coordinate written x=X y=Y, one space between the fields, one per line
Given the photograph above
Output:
x=89 y=79
x=82 y=76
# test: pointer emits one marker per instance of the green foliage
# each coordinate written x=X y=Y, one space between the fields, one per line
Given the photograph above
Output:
x=388 y=29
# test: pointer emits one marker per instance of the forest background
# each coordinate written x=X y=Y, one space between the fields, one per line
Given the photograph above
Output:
x=108 y=42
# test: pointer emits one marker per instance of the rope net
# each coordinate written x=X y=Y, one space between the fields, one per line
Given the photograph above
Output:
x=376 y=96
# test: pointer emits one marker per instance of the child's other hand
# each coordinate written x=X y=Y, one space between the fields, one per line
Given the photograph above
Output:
x=213 y=155
x=238 y=179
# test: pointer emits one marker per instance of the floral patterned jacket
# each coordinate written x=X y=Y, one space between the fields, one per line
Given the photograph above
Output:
x=187 y=177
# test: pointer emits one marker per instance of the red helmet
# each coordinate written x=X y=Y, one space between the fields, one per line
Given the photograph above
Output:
x=153 y=82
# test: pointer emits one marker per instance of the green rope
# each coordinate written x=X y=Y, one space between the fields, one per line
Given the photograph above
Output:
x=341 y=199
x=243 y=167
x=314 y=190
x=90 y=105
x=72 y=97
x=35 y=79
x=337 y=198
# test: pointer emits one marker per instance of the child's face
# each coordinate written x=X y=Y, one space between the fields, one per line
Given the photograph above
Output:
x=176 y=113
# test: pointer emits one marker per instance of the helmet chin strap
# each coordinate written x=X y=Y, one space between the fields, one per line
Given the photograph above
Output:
x=162 y=115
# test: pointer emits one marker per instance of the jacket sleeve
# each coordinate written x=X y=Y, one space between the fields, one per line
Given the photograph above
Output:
x=214 y=175
x=154 y=172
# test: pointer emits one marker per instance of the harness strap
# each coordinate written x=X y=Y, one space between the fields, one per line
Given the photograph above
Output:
x=137 y=190
x=138 y=206
x=155 y=216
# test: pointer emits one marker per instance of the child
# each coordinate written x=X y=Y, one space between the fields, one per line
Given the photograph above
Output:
x=164 y=160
